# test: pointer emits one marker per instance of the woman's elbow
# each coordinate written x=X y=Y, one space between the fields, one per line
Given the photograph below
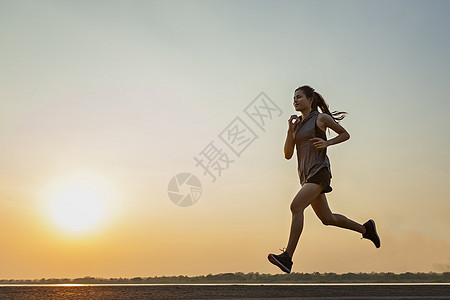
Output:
x=347 y=136
x=288 y=155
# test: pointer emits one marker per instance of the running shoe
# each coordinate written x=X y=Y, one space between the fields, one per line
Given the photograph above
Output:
x=371 y=233
x=283 y=261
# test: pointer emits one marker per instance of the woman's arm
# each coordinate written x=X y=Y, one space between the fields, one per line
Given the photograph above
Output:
x=325 y=121
x=289 y=144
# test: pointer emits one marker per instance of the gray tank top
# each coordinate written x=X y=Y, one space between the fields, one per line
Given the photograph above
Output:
x=310 y=159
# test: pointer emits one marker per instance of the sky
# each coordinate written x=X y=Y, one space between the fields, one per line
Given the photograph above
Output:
x=103 y=104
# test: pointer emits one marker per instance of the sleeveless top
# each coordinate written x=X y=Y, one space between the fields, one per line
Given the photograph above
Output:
x=310 y=159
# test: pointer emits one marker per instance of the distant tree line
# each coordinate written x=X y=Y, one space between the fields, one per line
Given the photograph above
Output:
x=252 y=278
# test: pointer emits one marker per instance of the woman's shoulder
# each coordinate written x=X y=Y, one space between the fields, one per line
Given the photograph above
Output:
x=323 y=121
x=324 y=116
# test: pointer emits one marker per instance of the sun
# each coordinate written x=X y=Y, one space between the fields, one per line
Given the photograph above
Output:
x=77 y=207
x=78 y=203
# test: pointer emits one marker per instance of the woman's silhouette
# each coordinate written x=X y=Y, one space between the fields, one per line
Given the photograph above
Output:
x=307 y=135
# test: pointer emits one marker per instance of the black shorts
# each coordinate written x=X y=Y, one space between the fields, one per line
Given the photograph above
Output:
x=322 y=177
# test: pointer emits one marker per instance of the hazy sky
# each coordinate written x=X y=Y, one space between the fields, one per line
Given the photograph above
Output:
x=106 y=101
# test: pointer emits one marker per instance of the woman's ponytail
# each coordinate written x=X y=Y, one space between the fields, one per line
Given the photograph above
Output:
x=320 y=102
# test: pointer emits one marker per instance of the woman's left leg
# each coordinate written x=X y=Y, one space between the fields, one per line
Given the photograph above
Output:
x=307 y=194
x=322 y=210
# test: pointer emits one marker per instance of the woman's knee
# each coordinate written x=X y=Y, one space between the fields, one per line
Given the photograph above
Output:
x=328 y=220
x=297 y=208
x=305 y=197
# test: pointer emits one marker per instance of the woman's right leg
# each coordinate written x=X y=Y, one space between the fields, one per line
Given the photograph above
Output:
x=322 y=210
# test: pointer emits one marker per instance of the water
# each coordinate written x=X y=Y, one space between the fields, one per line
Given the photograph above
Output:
x=219 y=284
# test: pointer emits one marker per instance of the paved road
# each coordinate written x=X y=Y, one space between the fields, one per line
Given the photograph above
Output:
x=314 y=292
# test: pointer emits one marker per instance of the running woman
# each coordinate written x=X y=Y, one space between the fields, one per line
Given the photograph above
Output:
x=307 y=134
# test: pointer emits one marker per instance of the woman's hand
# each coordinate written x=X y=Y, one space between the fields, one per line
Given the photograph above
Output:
x=319 y=143
x=292 y=122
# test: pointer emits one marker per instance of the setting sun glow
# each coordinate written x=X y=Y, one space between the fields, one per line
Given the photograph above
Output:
x=78 y=203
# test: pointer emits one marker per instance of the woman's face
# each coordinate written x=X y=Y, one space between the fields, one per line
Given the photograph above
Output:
x=300 y=101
